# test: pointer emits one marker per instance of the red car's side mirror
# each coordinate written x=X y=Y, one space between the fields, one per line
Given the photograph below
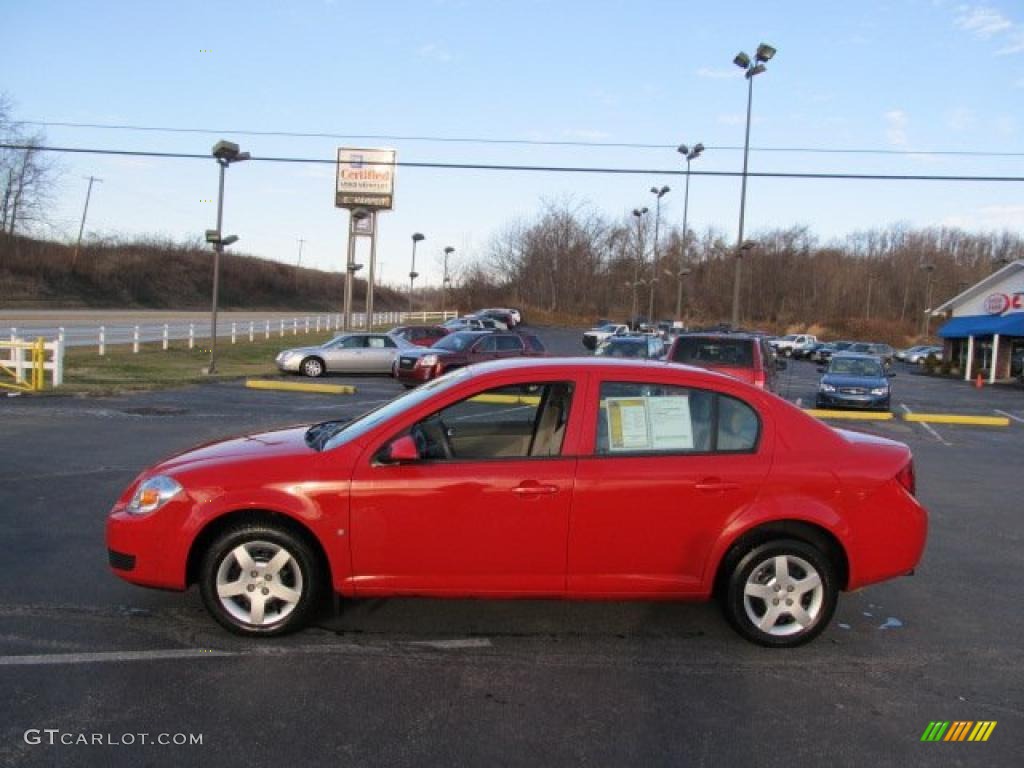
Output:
x=402 y=449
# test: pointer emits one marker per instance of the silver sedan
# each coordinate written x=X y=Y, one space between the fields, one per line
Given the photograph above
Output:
x=348 y=353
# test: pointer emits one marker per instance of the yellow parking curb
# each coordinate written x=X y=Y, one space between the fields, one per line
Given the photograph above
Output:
x=953 y=418
x=856 y=415
x=301 y=386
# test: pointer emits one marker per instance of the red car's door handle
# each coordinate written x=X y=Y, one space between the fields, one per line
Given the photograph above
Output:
x=533 y=489
x=715 y=485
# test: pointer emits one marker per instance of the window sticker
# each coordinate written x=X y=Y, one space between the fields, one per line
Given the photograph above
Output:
x=649 y=423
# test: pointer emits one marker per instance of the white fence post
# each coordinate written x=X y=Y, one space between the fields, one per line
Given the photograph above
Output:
x=295 y=326
x=282 y=328
x=103 y=340
x=135 y=340
x=191 y=335
x=58 y=360
x=318 y=323
x=268 y=330
x=307 y=323
x=167 y=337
x=252 y=330
x=233 y=333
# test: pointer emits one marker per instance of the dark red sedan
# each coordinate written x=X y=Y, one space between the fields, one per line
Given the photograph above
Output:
x=569 y=478
x=420 y=335
x=458 y=350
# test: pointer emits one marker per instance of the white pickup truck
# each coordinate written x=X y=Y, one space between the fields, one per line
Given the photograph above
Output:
x=794 y=344
x=595 y=336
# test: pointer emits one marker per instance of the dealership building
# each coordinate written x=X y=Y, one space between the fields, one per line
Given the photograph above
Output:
x=984 y=328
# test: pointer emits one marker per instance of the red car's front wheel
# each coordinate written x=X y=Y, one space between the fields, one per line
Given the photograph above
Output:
x=260 y=580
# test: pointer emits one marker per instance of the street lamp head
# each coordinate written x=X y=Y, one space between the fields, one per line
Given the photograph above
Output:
x=229 y=240
x=742 y=60
x=697 y=149
x=354 y=267
x=682 y=149
x=764 y=52
x=755 y=70
x=638 y=212
x=227 y=152
x=660 y=192
x=417 y=237
x=413 y=275
x=449 y=250
x=748 y=245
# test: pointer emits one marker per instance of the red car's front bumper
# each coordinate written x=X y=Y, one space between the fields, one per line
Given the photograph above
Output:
x=143 y=549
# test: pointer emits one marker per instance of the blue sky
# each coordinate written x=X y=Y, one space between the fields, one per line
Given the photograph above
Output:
x=905 y=75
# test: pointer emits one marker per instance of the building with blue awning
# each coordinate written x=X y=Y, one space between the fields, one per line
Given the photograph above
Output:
x=984 y=329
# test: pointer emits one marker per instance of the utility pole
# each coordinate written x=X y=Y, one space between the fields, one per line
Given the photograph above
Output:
x=81 y=228
x=298 y=264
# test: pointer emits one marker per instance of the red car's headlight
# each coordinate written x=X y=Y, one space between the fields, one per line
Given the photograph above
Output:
x=153 y=494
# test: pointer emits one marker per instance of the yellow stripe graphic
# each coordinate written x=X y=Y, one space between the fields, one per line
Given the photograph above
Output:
x=988 y=731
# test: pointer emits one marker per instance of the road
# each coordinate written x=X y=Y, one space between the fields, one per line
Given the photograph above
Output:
x=475 y=682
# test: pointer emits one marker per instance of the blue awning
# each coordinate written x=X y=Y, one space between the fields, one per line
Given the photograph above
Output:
x=983 y=325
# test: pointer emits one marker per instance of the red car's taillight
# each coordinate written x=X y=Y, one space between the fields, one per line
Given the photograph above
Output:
x=906 y=478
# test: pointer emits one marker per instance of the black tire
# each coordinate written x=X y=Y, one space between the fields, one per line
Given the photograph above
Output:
x=302 y=574
x=756 y=565
x=313 y=367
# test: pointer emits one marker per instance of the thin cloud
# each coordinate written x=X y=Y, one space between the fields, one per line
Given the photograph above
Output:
x=982 y=21
x=896 y=122
x=718 y=73
x=986 y=23
x=435 y=52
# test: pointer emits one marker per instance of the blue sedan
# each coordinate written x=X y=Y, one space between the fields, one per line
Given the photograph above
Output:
x=854 y=381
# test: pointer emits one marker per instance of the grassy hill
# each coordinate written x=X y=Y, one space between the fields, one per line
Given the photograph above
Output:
x=161 y=274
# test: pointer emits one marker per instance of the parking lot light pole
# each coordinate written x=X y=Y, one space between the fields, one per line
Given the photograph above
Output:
x=751 y=69
x=413 y=274
x=689 y=155
x=925 y=320
x=445 y=280
x=658 y=192
x=226 y=153
x=639 y=213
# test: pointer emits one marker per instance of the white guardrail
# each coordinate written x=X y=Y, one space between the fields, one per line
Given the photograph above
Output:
x=102 y=336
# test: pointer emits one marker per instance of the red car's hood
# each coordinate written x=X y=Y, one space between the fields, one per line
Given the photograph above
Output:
x=263 y=445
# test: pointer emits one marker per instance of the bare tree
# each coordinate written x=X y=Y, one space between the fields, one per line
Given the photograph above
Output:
x=27 y=175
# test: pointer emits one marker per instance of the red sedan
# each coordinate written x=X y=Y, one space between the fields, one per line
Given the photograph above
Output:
x=522 y=478
x=457 y=350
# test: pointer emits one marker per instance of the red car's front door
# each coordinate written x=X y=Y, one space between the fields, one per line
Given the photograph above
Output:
x=490 y=519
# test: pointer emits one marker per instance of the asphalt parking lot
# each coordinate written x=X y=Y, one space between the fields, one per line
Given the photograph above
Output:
x=431 y=682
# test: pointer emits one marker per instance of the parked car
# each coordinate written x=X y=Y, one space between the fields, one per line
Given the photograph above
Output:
x=457 y=350
x=420 y=335
x=741 y=355
x=464 y=323
x=824 y=353
x=488 y=322
x=883 y=352
x=645 y=347
x=502 y=316
x=512 y=479
x=596 y=335
x=854 y=381
x=918 y=356
x=793 y=344
x=347 y=353
x=901 y=354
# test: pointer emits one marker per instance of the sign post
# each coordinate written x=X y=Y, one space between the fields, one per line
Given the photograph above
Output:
x=365 y=185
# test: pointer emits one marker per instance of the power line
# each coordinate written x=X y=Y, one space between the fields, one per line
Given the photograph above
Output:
x=537 y=168
x=522 y=142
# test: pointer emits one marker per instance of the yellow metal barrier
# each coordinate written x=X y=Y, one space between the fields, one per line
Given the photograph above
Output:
x=956 y=418
x=37 y=349
x=853 y=415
